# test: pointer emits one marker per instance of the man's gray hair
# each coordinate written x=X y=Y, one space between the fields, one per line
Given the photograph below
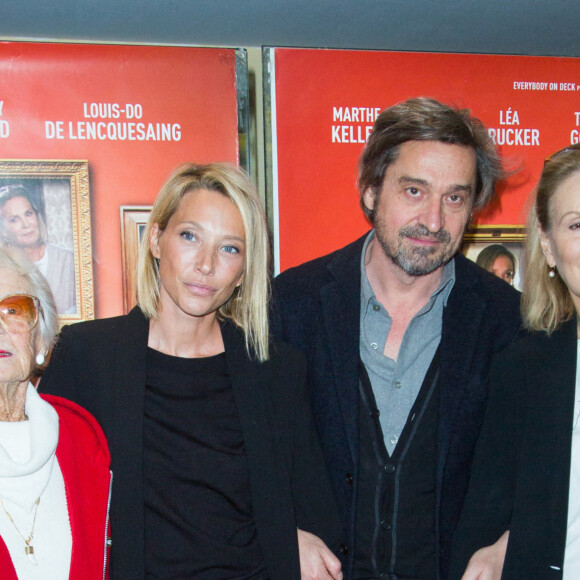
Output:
x=424 y=119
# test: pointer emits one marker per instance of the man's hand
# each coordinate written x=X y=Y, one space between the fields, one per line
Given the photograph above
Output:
x=317 y=562
x=487 y=563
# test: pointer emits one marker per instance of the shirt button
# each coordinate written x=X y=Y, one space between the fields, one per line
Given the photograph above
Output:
x=394 y=439
x=376 y=307
x=375 y=413
x=398 y=384
x=374 y=345
x=389 y=468
x=385 y=525
x=343 y=549
x=349 y=479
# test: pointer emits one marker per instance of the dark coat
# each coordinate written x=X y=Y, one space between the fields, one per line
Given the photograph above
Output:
x=101 y=365
x=521 y=471
x=317 y=309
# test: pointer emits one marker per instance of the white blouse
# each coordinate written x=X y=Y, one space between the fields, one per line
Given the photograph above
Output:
x=572 y=553
x=29 y=470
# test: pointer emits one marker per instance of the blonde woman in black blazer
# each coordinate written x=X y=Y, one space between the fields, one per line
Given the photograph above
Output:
x=522 y=513
x=256 y=468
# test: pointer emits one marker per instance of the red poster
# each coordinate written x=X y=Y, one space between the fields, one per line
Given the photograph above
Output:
x=324 y=103
x=87 y=129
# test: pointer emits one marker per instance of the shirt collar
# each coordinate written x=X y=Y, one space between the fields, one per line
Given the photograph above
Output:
x=443 y=290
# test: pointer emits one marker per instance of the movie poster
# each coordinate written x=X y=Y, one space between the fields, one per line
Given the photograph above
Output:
x=89 y=133
x=323 y=104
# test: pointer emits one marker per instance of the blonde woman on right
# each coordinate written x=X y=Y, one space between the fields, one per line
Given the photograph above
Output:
x=521 y=517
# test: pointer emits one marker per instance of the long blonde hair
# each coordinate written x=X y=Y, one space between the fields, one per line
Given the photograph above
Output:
x=546 y=302
x=248 y=306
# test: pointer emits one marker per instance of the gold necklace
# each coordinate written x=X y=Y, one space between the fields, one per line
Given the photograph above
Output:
x=29 y=549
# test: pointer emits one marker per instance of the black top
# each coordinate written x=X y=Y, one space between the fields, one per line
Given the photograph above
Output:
x=395 y=537
x=198 y=510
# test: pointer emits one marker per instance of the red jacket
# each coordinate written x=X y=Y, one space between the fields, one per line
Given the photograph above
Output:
x=83 y=457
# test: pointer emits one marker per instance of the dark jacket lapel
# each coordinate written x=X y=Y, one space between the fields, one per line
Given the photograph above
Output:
x=251 y=382
x=462 y=318
x=128 y=387
x=129 y=382
x=340 y=300
x=557 y=379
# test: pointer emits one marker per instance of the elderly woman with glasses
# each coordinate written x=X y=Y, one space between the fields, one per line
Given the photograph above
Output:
x=54 y=461
x=521 y=517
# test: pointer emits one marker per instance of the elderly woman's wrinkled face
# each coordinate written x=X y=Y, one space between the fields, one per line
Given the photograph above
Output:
x=20 y=223
x=201 y=254
x=561 y=245
x=17 y=350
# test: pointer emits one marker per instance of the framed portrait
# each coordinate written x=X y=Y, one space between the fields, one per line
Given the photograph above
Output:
x=512 y=238
x=133 y=221
x=45 y=210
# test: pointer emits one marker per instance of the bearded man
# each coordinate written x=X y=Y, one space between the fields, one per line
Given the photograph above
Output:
x=399 y=330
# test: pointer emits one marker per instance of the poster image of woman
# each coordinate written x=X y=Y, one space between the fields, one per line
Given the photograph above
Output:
x=22 y=225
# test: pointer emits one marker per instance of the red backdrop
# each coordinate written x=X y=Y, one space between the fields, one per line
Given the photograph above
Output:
x=192 y=88
x=325 y=101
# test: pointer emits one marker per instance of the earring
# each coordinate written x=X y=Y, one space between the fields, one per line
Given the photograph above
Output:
x=39 y=359
x=552 y=272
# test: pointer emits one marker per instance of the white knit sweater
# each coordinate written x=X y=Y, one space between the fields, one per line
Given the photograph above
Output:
x=29 y=470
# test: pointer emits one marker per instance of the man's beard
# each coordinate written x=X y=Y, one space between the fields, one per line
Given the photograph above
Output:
x=417 y=260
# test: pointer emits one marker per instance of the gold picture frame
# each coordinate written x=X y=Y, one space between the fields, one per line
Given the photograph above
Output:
x=512 y=237
x=495 y=234
x=133 y=221
x=59 y=189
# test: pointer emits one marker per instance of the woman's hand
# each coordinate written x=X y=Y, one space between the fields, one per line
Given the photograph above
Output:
x=317 y=562
x=487 y=563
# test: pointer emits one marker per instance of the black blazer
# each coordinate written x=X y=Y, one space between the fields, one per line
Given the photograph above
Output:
x=317 y=309
x=521 y=472
x=101 y=365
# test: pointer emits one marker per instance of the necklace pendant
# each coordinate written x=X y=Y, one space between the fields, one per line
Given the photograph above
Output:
x=29 y=551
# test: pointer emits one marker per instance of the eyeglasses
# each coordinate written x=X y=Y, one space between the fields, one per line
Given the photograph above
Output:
x=574 y=147
x=19 y=312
